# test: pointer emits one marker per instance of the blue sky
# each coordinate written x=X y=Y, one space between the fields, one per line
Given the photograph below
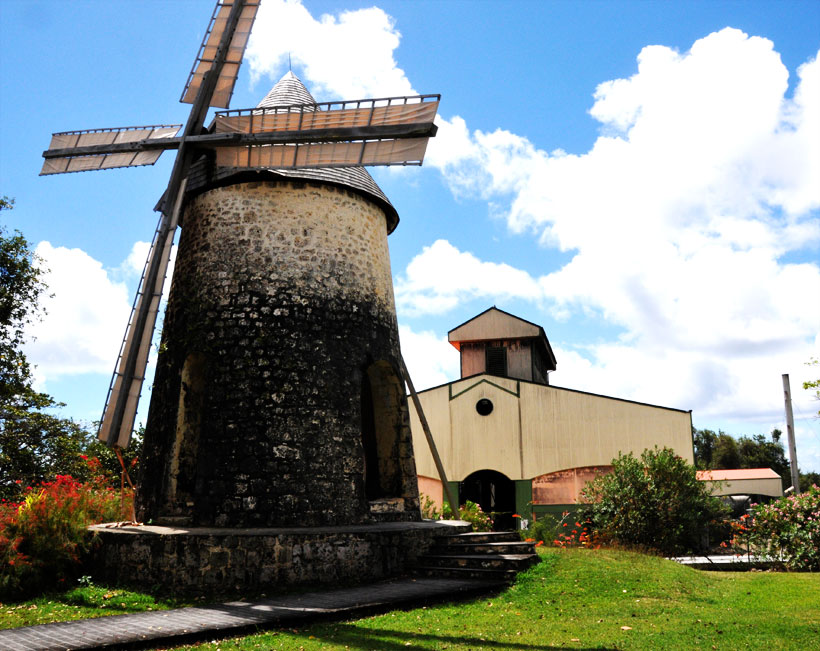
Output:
x=634 y=176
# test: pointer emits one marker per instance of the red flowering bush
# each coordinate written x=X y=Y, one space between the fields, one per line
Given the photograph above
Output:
x=786 y=531
x=44 y=536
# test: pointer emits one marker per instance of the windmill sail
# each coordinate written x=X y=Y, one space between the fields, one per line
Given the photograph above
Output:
x=120 y=409
x=102 y=149
x=282 y=137
x=208 y=50
x=125 y=388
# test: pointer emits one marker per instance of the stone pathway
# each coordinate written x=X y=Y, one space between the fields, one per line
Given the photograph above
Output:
x=723 y=562
x=223 y=620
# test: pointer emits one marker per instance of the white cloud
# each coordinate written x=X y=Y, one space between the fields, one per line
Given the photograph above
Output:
x=431 y=360
x=441 y=276
x=348 y=56
x=703 y=178
x=86 y=314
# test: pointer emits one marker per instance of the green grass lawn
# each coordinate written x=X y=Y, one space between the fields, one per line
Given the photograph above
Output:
x=580 y=599
x=82 y=602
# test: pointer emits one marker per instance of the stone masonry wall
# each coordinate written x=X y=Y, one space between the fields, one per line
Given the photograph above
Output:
x=246 y=561
x=281 y=301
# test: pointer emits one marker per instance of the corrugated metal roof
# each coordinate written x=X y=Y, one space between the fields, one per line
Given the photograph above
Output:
x=290 y=90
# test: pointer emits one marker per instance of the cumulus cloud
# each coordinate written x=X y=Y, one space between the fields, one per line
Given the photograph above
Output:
x=348 y=56
x=431 y=360
x=86 y=311
x=680 y=218
x=86 y=314
x=703 y=178
x=441 y=276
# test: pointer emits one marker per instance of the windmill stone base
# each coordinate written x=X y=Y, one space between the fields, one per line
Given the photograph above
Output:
x=209 y=561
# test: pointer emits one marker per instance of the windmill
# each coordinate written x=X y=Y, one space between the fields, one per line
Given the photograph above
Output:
x=388 y=131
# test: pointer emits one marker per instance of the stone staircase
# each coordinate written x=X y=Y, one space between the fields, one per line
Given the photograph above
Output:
x=497 y=555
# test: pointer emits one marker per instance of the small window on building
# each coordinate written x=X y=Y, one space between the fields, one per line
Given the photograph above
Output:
x=497 y=361
x=484 y=407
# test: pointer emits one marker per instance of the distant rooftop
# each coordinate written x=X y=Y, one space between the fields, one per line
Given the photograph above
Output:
x=740 y=473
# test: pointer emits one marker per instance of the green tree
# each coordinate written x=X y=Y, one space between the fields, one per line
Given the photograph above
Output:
x=813 y=385
x=20 y=288
x=704 y=441
x=727 y=453
x=809 y=479
x=35 y=445
x=758 y=452
x=723 y=452
x=654 y=501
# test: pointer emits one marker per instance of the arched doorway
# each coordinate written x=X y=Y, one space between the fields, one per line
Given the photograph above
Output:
x=494 y=492
x=382 y=417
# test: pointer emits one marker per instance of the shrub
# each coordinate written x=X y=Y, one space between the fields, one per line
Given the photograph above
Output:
x=786 y=530
x=44 y=536
x=653 y=502
x=469 y=512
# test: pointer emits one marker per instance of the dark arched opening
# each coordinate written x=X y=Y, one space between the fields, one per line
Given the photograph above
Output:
x=381 y=409
x=494 y=493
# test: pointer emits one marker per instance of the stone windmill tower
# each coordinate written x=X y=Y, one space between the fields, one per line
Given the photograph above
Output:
x=277 y=398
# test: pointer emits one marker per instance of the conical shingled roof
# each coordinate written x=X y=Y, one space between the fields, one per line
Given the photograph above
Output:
x=290 y=90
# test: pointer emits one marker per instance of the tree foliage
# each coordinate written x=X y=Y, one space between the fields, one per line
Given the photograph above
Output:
x=813 y=385
x=35 y=444
x=654 y=501
x=21 y=285
x=723 y=452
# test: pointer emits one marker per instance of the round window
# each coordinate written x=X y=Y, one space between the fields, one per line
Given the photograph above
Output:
x=484 y=407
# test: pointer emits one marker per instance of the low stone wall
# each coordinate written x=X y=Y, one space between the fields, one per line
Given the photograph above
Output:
x=194 y=561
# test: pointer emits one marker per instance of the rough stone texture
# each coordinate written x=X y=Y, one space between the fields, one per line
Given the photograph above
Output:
x=276 y=399
x=223 y=561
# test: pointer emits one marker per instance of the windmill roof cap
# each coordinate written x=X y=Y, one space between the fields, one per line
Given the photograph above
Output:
x=290 y=90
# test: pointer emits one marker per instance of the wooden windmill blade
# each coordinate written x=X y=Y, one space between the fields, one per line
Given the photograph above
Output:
x=126 y=384
x=388 y=131
x=240 y=32
x=102 y=149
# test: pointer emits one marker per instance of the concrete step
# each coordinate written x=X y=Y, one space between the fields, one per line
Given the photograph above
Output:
x=479 y=537
x=516 y=562
x=519 y=547
x=466 y=573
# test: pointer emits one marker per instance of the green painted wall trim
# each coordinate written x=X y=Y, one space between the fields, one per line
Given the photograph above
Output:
x=555 y=510
x=523 y=498
x=516 y=393
x=454 y=488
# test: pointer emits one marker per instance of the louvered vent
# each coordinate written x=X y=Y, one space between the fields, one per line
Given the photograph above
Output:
x=497 y=361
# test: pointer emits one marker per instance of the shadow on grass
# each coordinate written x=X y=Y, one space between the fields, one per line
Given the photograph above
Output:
x=380 y=639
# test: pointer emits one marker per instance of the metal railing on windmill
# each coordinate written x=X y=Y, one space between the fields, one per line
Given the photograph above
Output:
x=386 y=131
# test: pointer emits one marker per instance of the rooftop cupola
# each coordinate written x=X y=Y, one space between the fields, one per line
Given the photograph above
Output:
x=498 y=343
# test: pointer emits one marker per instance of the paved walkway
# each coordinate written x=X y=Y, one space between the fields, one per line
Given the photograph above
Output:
x=723 y=562
x=185 y=624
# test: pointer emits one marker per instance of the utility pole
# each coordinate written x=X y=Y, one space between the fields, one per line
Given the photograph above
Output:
x=787 y=395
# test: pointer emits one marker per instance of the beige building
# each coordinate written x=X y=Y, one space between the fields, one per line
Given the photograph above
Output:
x=511 y=442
